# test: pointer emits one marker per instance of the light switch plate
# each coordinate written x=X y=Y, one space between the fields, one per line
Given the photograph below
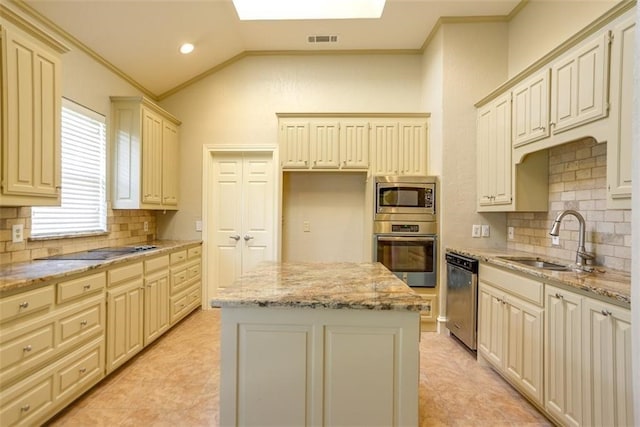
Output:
x=476 y=230
x=511 y=233
x=485 y=230
x=306 y=227
x=198 y=225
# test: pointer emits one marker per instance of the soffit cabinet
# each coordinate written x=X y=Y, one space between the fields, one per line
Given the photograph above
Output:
x=379 y=144
x=146 y=155
x=31 y=114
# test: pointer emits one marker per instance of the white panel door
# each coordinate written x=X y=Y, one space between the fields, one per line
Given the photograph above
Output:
x=242 y=220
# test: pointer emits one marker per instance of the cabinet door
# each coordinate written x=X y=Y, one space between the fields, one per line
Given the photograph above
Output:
x=607 y=358
x=530 y=111
x=31 y=88
x=491 y=329
x=622 y=88
x=579 y=85
x=170 y=155
x=523 y=349
x=151 y=157
x=413 y=148
x=156 y=306
x=325 y=145
x=494 y=153
x=385 y=147
x=294 y=145
x=125 y=309
x=354 y=145
x=563 y=367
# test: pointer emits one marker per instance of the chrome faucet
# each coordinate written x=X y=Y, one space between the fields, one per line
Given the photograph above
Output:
x=581 y=253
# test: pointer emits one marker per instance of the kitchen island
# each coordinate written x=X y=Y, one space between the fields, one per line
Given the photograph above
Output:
x=319 y=344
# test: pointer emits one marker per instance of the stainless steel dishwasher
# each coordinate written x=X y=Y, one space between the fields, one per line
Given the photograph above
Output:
x=462 y=298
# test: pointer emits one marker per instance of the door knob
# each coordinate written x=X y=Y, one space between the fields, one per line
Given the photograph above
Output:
x=247 y=237
x=236 y=237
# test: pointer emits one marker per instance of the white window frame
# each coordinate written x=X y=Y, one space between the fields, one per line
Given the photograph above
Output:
x=83 y=209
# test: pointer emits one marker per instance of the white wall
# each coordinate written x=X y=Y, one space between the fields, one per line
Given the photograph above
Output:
x=542 y=25
x=333 y=206
x=238 y=105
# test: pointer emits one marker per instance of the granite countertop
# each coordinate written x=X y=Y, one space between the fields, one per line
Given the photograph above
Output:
x=602 y=282
x=365 y=286
x=16 y=276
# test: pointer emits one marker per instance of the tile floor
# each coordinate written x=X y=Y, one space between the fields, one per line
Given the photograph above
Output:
x=174 y=382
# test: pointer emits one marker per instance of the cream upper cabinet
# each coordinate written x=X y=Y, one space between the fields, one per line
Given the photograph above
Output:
x=31 y=116
x=325 y=145
x=563 y=361
x=494 y=153
x=606 y=351
x=579 y=83
x=399 y=146
x=354 y=146
x=530 y=110
x=294 y=144
x=146 y=155
x=622 y=88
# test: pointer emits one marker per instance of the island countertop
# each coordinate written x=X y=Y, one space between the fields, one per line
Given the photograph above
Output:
x=364 y=286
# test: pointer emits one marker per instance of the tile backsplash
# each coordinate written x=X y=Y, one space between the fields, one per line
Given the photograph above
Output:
x=125 y=227
x=577 y=180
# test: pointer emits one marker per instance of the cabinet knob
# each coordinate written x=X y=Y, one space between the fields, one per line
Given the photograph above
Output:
x=24 y=304
x=27 y=349
x=25 y=408
x=84 y=323
x=82 y=370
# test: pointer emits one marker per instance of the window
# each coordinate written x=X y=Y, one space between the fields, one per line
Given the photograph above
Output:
x=83 y=208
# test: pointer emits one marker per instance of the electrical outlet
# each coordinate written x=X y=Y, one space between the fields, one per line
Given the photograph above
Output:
x=555 y=240
x=146 y=226
x=476 y=230
x=17 y=233
x=306 y=227
x=485 y=230
x=511 y=234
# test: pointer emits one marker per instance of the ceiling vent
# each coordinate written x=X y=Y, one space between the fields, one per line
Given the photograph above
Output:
x=322 y=39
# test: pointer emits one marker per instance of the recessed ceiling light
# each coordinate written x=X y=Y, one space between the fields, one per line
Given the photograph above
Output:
x=186 y=48
x=249 y=10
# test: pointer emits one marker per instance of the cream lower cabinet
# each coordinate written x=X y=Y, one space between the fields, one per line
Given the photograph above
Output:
x=156 y=297
x=510 y=328
x=125 y=314
x=186 y=282
x=52 y=347
x=606 y=358
x=563 y=360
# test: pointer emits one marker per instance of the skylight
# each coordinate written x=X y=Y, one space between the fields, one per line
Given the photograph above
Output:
x=253 y=10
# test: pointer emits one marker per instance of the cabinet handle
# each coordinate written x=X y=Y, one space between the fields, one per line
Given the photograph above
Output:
x=559 y=296
x=27 y=349
x=24 y=304
x=86 y=287
x=552 y=123
x=83 y=323
x=25 y=408
x=83 y=370
x=606 y=313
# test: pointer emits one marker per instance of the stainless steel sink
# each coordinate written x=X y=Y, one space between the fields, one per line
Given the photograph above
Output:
x=537 y=263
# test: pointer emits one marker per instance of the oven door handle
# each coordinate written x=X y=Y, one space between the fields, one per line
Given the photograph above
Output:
x=405 y=239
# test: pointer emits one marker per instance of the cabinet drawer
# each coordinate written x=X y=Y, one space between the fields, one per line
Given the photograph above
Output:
x=83 y=369
x=125 y=274
x=194 y=252
x=85 y=323
x=178 y=280
x=25 y=303
x=81 y=286
x=156 y=263
x=25 y=404
x=516 y=284
x=178 y=257
x=26 y=347
x=193 y=271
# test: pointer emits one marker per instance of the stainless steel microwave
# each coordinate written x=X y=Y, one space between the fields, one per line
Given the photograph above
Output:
x=405 y=197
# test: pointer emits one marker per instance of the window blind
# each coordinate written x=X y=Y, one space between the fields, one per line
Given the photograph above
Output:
x=83 y=208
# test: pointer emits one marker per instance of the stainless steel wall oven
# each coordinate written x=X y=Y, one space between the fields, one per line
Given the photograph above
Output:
x=405 y=234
